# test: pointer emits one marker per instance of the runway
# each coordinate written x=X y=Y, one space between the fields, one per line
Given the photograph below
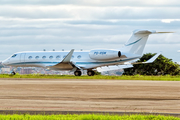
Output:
x=90 y=95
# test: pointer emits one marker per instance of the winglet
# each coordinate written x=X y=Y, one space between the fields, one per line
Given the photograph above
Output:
x=68 y=57
x=150 y=60
x=153 y=58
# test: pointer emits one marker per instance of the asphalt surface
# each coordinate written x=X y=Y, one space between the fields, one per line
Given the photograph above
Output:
x=104 y=96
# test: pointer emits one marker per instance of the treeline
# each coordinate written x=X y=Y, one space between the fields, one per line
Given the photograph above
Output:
x=161 y=66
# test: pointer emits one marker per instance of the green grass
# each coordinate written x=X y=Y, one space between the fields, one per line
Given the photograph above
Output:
x=86 y=117
x=136 y=77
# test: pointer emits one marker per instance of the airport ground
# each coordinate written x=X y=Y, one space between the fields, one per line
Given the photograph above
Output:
x=89 y=95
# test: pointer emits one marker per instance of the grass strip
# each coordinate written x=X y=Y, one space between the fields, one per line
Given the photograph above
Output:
x=86 y=117
x=123 y=77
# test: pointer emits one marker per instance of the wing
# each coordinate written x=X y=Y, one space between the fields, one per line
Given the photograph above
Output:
x=113 y=67
x=66 y=63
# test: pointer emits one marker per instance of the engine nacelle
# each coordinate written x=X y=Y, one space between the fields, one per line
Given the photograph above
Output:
x=100 y=54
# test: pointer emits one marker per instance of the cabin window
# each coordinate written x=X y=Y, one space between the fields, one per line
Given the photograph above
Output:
x=30 y=57
x=37 y=57
x=44 y=57
x=79 y=56
x=58 y=57
x=50 y=57
x=14 y=55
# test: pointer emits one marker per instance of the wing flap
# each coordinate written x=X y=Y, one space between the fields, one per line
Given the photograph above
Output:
x=115 y=67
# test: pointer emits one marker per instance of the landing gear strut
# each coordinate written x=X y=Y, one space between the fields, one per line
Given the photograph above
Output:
x=77 y=73
x=90 y=73
x=13 y=71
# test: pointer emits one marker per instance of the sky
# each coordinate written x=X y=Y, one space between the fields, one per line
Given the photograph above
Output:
x=34 y=25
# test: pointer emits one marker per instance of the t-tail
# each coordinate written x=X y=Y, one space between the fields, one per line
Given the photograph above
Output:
x=137 y=42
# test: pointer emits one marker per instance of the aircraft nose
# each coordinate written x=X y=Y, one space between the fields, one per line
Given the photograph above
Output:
x=4 y=62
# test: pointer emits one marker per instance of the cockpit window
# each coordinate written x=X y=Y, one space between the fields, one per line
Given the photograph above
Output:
x=14 y=55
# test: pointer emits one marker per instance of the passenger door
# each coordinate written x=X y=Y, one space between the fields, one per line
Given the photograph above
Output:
x=22 y=57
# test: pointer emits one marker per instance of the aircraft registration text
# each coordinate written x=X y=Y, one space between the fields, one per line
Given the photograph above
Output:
x=99 y=53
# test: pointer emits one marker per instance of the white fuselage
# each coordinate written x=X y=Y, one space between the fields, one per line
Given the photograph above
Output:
x=47 y=59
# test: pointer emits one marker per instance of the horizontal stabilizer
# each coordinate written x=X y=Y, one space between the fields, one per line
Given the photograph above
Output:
x=162 y=32
x=144 y=31
x=148 y=32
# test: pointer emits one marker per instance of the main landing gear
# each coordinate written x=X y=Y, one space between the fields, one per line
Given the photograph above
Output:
x=90 y=73
x=77 y=73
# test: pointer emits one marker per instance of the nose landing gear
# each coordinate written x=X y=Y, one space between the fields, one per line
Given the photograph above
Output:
x=13 y=73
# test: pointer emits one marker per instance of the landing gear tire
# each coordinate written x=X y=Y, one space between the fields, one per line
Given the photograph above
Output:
x=77 y=73
x=13 y=73
x=90 y=73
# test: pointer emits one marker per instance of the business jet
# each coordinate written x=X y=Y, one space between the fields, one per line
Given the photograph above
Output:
x=93 y=60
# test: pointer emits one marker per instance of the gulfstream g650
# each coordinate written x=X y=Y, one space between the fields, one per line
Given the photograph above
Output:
x=93 y=60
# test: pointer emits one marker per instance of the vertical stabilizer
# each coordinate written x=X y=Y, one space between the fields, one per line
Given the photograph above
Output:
x=137 y=42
